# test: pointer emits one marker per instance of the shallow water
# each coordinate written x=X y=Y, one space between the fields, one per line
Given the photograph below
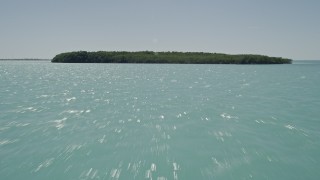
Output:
x=151 y=121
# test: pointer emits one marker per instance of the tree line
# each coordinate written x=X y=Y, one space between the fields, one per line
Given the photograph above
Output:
x=165 y=57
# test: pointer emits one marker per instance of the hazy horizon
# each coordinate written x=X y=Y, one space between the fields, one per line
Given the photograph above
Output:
x=42 y=28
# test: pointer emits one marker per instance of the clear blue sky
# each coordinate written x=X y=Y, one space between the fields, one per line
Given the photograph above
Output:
x=44 y=28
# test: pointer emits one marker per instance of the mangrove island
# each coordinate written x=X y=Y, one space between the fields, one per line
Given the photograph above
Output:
x=165 y=58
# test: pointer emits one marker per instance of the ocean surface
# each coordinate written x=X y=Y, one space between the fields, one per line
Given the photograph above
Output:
x=159 y=121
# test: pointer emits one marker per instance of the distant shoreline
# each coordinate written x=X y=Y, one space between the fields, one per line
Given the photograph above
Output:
x=150 y=57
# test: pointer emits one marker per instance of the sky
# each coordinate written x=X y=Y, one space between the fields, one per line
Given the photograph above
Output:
x=44 y=28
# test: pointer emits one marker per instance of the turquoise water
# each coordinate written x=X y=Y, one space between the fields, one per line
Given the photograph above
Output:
x=151 y=121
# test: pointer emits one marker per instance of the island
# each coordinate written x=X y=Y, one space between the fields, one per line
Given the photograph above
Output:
x=171 y=57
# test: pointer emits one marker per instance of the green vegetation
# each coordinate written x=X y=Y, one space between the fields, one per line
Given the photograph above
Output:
x=165 y=57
